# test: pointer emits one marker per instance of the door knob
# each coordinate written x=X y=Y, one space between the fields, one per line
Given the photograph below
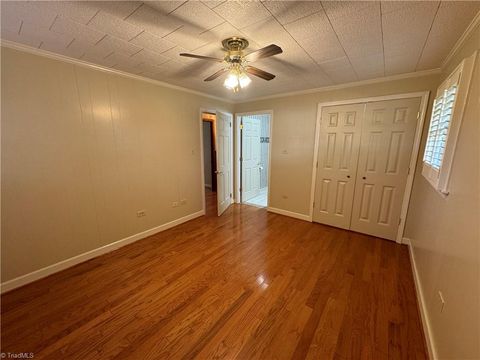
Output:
x=348 y=176
x=364 y=178
x=218 y=172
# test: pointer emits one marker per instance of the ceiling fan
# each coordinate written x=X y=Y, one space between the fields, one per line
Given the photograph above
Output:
x=237 y=63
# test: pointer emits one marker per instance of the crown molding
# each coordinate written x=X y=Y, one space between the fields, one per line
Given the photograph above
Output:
x=466 y=34
x=51 y=55
x=48 y=54
x=347 y=85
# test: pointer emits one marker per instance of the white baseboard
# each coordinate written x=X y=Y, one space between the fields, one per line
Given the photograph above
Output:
x=289 y=213
x=64 y=264
x=421 y=300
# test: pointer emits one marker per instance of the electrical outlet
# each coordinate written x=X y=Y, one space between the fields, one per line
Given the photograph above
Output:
x=175 y=204
x=442 y=301
x=183 y=201
x=141 y=213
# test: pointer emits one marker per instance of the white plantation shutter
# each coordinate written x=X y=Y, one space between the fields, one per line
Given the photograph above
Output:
x=440 y=123
x=432 y=131
x=447 y=113
x=444 y=126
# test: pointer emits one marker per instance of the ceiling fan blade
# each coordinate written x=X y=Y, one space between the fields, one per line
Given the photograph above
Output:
x=260 y=73
x=216 y=75
x=201 y=57
x=267 y=51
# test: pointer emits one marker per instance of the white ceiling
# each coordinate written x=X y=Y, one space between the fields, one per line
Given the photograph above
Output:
x=324 y=43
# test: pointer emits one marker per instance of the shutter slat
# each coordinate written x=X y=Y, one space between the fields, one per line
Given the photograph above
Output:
x=439 y=126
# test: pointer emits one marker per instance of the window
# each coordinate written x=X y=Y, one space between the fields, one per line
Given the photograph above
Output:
x=447 y=113
x=439 y=125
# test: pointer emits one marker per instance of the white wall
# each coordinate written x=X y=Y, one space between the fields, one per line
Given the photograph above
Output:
x=445 y=234
x=82 y=151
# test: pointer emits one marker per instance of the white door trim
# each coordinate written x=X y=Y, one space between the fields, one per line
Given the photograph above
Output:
x=424 y=95
x=238 y=180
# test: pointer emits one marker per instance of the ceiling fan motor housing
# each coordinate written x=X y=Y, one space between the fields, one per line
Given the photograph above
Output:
x=234 y=45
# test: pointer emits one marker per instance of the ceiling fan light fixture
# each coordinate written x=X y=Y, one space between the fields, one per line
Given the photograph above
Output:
x=244 y=80
x=236 y=80
x=232 y=81
x=237 y=63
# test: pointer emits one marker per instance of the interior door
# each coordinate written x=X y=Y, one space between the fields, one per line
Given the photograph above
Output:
x=339 y=143
x=250 y=157
x=388 y=133
x=224 y=161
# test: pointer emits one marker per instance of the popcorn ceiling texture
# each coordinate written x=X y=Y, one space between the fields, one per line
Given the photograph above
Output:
x=324 y=43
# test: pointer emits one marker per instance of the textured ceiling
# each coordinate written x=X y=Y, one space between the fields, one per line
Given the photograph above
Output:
x=324 y=43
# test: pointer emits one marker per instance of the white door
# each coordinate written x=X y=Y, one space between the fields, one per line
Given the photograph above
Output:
x=339 y=143
x=388 y=132
x=224 y=161
x=250 y=157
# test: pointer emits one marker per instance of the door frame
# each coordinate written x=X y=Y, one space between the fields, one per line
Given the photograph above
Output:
x=424 y=95
x=202 y=169
x=238 y=152
x=213 y=149
x=202 y=163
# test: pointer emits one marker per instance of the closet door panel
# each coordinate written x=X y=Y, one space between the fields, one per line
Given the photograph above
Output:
x=388 y=132
x=339 y=144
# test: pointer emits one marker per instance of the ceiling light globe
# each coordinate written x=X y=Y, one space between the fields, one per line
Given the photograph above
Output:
x=244 y=80
x=231 y=82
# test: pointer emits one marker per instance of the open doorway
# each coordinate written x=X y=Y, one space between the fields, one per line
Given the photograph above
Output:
x=254 y=149
x=216 y=134
x=209 y=161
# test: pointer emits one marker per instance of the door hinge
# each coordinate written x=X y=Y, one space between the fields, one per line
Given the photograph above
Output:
x=399 y=221
x=230 y=124
x=316 y=165
x=313 y=204
x=408 y=173
x=418 y=115
x=241 y=126
x=231 y=195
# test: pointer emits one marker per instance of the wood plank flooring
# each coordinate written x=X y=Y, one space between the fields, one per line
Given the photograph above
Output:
x=246 y=285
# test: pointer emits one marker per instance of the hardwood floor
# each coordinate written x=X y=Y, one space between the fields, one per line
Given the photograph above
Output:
x=246 y=285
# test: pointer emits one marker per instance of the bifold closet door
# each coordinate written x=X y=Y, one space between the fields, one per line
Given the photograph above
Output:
x=388 y=132
x=339 y=143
